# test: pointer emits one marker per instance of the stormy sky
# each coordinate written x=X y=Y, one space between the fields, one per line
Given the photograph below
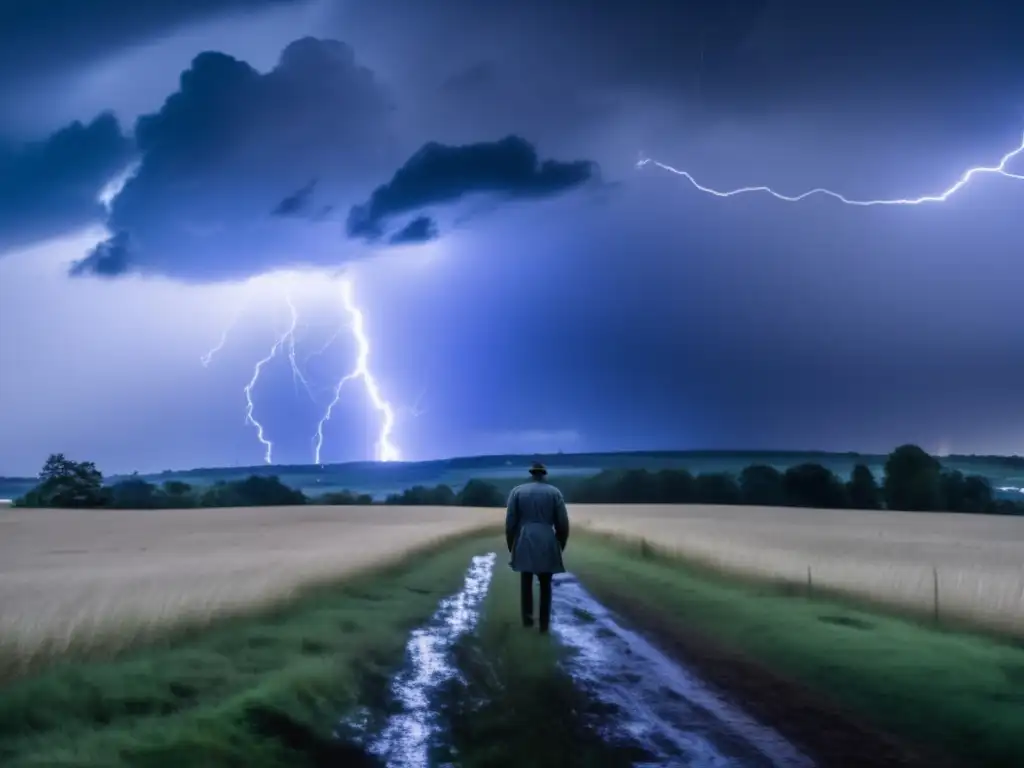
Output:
x=181 y=177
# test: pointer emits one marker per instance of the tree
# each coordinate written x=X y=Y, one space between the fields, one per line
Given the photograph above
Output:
x=441 y=496
x=257 y=491
x=178 y=495
x=634 y=486
x=345 y=498
x=912 y=480
x=978 y=495
x=254 y=491
x=812 y=485
x=135 y=493
x=972 y=494
x=594 y=490
x=66 y=483
x=675 y=486
x=863 y=490
x=716 y=488
x=762 y=485
x=478 y=493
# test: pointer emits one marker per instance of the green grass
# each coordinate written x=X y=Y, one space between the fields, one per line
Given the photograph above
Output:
x=951 y=693
x=263 y=690
x=515 y=706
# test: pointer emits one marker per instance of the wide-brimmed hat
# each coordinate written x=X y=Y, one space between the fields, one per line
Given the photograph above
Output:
x=538 y=469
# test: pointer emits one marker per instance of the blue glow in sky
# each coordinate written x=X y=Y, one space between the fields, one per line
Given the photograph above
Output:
x=172 y=174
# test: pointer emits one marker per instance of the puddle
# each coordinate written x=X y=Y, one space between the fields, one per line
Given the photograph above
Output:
x=661 y=706
x=406 y=738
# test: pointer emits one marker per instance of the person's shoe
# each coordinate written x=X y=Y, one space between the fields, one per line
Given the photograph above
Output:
x=544 y=629
x=527 y=621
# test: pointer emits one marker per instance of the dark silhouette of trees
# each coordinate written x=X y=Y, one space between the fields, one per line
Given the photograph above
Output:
x=717 y=488
x=812 y=485
x=762 y=485
x=966 y=493
x=344 y=498
x=179 y=495
x=478 y=493
x=421 y=495
x=675 y=486
x=136 y=493
x=67 y=483
x=253 y=491
x=912 y=480
x=862 y=490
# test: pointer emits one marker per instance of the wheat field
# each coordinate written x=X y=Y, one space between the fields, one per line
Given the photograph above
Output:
x=896 y=558
x=82 y=579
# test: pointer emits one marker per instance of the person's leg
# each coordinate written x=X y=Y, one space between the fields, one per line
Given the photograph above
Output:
x=526 y=597
x=545 y=600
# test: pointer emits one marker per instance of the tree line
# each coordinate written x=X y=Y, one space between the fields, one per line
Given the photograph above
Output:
x=79 y=484
x=912 y=480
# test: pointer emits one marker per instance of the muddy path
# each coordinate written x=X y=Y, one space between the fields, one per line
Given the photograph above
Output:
x=660 y=703
x=660 y=706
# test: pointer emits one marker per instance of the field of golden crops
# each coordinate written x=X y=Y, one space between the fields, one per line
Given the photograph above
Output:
x=71 y=578
x=973 y=563
x=77 y=577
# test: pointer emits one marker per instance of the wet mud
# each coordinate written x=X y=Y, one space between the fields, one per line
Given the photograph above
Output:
x=661 y=705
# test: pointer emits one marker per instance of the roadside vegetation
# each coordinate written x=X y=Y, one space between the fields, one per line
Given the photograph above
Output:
x=948 y=693
x=261 y=690
x=912 y=480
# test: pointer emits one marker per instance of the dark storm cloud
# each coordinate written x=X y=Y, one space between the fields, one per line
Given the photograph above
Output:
x=439 y=174
x=646 y=43
x=51 y=186
x=422 y=229
x=43 y=36
x=110 y=258
x=298 y=203
x=863 y=61
x=216 y=156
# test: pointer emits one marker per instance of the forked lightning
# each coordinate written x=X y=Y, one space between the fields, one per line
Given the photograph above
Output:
x=997 y=169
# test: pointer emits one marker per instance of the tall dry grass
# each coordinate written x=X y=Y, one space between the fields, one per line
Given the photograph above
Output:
x=893 y=558
x=79 y=581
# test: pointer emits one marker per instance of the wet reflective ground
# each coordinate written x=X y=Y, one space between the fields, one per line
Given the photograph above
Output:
x=406 y=739
x=661 y=705
x=664 y=709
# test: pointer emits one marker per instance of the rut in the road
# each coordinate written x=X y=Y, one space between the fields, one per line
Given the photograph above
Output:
x=406 y=739
x=661 y=705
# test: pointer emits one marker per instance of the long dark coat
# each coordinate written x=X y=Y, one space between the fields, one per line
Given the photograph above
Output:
x=536 y=528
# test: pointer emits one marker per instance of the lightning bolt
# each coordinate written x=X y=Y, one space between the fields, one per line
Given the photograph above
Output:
x=297 y=375
x=288 y=337
x=206 y=358
x=249 y=406
x=998 y=169
x=386 y=450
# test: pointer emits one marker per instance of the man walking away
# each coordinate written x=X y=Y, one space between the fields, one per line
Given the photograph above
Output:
x=536 y=531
